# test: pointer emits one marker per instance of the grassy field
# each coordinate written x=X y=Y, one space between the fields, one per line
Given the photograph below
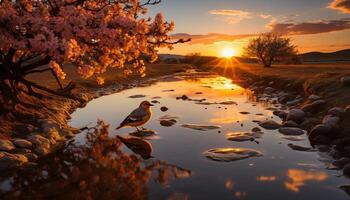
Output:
x=111 y=76
x=320 y=79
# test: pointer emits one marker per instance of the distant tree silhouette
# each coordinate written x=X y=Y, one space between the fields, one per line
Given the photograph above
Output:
x=270 y=47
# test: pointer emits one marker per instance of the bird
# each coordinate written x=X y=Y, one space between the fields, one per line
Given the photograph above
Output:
x=138 y=117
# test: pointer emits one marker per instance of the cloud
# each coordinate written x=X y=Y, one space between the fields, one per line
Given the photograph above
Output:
x=310 y=27
x=341 y=5
x=211 y=38
x=264 y=16
x=232 y=16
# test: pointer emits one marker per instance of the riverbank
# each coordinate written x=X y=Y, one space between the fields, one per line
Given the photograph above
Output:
x=318 y=95
x=31 y=132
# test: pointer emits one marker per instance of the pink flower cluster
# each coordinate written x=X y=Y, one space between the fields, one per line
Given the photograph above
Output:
x=93 y=35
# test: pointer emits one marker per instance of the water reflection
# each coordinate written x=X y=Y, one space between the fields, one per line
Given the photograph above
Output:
x=229 y=184
x=266 y=178
x=97 y=170
x=298 y=177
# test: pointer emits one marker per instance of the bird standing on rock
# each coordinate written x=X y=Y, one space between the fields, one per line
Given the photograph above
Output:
x=138 y=117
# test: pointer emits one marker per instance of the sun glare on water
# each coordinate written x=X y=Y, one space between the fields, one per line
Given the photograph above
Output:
x=228 y=52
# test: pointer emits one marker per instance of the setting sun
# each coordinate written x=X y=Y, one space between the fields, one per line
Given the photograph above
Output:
x=228 y=52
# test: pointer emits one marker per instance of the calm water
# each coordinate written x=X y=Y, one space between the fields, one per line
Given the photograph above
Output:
x=280 y=173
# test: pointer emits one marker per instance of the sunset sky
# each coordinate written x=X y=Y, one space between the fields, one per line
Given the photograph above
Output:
x=213 y=25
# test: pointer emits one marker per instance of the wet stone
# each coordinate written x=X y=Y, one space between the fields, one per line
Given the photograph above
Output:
x=270 y=124
x=290 y=123
x=291 y=131
x=6 y=145
x=293 y=138
x=231 y=154
x=9 y=161
x=167 y=123
x=143 y=133
x=164 y=109
x=22 y=143
x=300 y=148
x=200 y=127
x=243 y=136
x=136 y=96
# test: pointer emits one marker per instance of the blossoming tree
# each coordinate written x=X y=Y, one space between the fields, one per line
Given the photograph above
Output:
x=91 y=34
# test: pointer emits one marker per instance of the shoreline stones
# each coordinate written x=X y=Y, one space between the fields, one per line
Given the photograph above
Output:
x=270 y=124
x=6 y=145
x=291 y=131
x=22 y=143
x=314 y=107
x=345 y=81
x=296 y=115
x=10 y=161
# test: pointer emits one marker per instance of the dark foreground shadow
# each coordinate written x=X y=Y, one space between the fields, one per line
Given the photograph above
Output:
x=97 y=170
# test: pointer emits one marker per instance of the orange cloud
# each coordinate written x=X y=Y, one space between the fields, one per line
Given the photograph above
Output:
x=310 y=27
x=341 y=5
x=234 y=16
x=211 y=38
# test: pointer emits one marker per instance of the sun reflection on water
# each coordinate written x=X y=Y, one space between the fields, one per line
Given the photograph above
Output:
x=297 y=178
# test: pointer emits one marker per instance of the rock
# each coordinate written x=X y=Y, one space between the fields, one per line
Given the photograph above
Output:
x=244 y=113
x=42 y=150
x=85 y=98
x=330 y=121
x=283 y=115
x=231 y=154
x=164 y=109
x=21 y=151
x=167 y=123
x=200 y=127
x=341 y=162
x=136 y=96
x=300 y=148
x=296 y=115
x=345 y=81
x=22 y=143
x=346 y=170
x=276 y=112
x=256 y=129
x=290 y=123
x=48 y=125
x=309 y=123
x=345 y=188
x=291 y=131
x=293 y=138
x=6 y=145
x=336 y=111
x=294 y=102
x=314 y=107
x=269 y=90
x=270 y=124
x=228 y=103
x=243 y=136
x=10 y=161
x=184 y=97
x=31 y=156
x=143 y=133
x=320 y=129
x=41 y=144
x=314 y=97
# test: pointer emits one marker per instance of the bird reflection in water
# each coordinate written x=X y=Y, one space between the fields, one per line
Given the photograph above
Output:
x=99 y=169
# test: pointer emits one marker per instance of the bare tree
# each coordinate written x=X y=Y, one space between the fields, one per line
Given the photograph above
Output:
x=270 y=48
